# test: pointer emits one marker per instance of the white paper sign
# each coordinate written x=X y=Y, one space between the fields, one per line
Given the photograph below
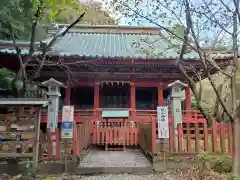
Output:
x=163 y=126
x=67 y=113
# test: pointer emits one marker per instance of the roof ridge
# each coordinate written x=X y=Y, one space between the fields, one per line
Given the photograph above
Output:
x=86 y=26
x=108 y=29
x=107 y=33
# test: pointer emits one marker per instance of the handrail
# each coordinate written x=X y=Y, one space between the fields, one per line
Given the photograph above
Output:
x=82 y=115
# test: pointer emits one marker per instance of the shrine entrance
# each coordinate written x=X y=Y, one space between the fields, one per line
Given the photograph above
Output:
x=115 y=95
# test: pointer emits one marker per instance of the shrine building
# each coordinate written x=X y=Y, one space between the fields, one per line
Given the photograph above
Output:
x=113 y=71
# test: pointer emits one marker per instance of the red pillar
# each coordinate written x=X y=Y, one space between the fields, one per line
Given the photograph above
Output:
x=96 y=98
x=160 y=96
x=188 y=98
x=133 y=99
x=68 y=95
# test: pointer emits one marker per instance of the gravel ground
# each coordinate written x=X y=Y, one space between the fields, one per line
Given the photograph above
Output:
x=110 y=177
x=127 y=158
x=124 y=177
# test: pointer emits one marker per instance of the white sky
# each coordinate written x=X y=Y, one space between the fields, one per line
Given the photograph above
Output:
x=144 y=22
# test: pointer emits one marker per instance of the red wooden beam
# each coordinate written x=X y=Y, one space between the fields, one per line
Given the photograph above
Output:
x=81 y=84
x=160 y=96
x=133 y=98
x=137 y=84
x=147 y=84
x=68 y=95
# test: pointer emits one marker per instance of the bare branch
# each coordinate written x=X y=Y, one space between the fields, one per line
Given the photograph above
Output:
x=226 y=6
x=203 y=59
x=61 y=65
x=213 y=18
x=53 y=40
x=162 y=27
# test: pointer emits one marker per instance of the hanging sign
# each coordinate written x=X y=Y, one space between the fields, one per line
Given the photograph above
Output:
x=67 y=122
x=67 y=130
x=162 y=118
x=67 y=113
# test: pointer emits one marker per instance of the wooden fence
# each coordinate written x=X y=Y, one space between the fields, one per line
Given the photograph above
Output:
x=86 y=115
x=115 y=133
x=81 y=141
x=81 y=137
x=187 y=138
x=197 y=137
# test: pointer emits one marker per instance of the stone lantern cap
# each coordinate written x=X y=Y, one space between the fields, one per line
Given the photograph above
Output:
x=177 y=83
x=53 y=82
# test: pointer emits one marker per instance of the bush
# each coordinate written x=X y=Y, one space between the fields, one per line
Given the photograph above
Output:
x=218 y=163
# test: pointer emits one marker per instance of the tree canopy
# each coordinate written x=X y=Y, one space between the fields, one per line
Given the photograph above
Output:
x=20 y=14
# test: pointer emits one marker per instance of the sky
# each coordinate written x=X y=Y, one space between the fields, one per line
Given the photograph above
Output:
x=122 y=20
x=144 y=22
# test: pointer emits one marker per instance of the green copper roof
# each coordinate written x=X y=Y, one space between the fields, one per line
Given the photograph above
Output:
x=117 y=45
x=120 y=43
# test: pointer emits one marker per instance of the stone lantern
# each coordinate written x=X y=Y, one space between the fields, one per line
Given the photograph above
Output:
x=53 y=95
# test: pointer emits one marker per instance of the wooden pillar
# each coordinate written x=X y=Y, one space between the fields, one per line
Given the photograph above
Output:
x=68 y=95
x=36 y=140
x=160 y=96
x=133 y=99
x=96 y=98
x=188 y=98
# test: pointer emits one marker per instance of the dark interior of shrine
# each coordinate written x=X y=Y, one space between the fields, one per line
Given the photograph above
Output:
x=82 y=97
x=116 y=96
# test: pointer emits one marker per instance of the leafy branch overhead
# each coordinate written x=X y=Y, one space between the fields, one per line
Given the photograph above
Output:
x=40 y=7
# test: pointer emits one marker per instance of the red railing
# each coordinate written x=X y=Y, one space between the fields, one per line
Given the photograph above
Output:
x=115 y=133
x=190 y=137
x=81 y=141
x=195 y=137
x=82 y=137
x=91 y=114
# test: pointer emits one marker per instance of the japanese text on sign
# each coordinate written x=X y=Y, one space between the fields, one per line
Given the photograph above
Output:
x=163 y=127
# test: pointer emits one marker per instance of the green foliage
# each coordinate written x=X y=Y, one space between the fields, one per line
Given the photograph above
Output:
x=219 y=163
x=177 y=29
x=15 y=14
x=28 y=172
x=6 y=78
x=19 y=15
x=56 y=7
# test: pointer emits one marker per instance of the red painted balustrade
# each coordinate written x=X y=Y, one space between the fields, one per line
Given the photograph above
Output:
x=115 y=132
x=197 y=137
x=190 y=137
x=89 y=115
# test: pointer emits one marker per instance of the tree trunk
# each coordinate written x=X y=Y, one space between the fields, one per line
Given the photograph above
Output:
x=236 y=144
